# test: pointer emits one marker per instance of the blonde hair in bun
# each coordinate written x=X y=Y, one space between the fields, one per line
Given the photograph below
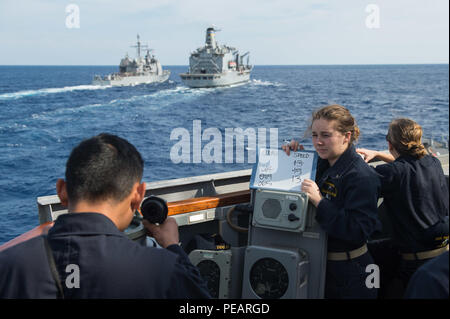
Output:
x=405 y=135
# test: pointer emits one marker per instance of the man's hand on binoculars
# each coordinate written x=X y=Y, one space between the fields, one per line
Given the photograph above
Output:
x=165 y=234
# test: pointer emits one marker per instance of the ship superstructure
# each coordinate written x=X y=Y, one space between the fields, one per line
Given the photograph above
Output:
x=135 y=71
x=213 y=65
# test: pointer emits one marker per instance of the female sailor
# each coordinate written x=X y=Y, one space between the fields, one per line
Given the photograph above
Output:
x=345 y=195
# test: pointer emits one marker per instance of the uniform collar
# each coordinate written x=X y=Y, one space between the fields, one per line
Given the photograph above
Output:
x=341 y=165
x=84 y=224
x=344 y=161
x=403 y=158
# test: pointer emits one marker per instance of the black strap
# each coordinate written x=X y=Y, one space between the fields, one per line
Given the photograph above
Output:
x=53 y=269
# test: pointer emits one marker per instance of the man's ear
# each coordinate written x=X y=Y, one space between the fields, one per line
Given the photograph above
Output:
x=61 y=190
x=138 y=195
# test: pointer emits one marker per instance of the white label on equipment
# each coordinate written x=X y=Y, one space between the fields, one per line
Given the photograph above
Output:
x=196 y=218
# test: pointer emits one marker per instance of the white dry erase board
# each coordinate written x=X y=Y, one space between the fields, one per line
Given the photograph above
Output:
x=274 y=170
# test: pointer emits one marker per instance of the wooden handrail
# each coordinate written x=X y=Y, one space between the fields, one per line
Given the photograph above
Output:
x=175 y=208
x=202 y=203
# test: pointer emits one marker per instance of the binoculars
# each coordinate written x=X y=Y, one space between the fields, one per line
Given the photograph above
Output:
x=154 y=209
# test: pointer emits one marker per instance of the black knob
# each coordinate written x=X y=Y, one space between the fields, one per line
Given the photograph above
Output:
x=292 y=218
x=292 y=206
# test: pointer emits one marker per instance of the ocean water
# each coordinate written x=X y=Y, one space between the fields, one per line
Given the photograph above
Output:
x=46 y=110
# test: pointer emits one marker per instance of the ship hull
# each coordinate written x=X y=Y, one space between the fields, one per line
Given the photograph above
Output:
x=200 y=80
x=132 y=80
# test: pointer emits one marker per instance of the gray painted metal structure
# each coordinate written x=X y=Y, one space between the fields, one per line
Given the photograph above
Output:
x=135 y=71
x=213 y=65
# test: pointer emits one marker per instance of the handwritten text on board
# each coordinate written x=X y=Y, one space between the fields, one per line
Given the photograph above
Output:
x=275 y=170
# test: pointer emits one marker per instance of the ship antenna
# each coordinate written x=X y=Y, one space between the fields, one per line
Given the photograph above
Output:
x=138 y=46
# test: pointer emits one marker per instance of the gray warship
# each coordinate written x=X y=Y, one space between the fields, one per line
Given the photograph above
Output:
x=213 y=65
x=135 y=71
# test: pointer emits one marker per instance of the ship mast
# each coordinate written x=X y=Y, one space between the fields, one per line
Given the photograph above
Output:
x=138 y=47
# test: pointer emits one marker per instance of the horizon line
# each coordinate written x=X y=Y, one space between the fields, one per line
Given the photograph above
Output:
x=343 y=64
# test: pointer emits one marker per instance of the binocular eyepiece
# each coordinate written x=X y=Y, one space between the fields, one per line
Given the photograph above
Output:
x=154 y=209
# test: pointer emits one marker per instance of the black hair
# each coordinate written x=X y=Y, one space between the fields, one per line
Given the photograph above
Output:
x=103 y=167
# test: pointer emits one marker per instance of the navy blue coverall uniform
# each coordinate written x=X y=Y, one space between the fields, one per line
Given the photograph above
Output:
x=416 y=200
x=348 y=213
x=430 y=281
x=110 y=264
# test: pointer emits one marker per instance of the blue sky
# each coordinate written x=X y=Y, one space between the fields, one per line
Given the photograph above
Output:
x=306 y=32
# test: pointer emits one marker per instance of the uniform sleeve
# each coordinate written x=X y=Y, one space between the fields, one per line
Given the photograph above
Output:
x=186 y=281
x=387 y=176
x=357 y=219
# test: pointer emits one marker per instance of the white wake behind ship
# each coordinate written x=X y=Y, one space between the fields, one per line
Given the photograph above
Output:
x=135 y=71
x=213 y=65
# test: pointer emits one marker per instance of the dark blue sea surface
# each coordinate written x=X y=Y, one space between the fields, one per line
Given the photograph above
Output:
x=47 y=110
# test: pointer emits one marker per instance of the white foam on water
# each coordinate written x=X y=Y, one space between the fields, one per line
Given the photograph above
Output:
x=265 y=83
x=209 y=89
x=45 y=91
x=160 y=98
x=153 y=96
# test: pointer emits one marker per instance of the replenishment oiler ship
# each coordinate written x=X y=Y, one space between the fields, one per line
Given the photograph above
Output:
x=135 y=71
x=213 y=65
x=251 y=252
